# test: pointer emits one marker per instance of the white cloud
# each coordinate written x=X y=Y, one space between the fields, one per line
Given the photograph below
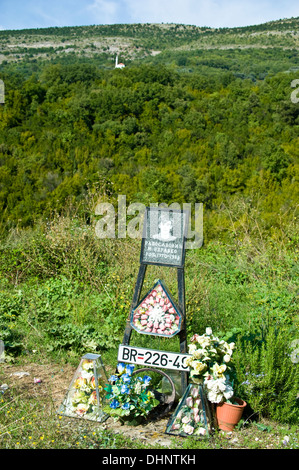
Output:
x=104 y=11
x=217 y=13
x=48 y=19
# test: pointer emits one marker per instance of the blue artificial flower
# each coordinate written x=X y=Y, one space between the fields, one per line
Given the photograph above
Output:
x=121 y=367
x=124 y=389
x=114 y=404
x=126 y=378
x=130 y=368
x=146 y=379
x=113 y=378
x=126 y=406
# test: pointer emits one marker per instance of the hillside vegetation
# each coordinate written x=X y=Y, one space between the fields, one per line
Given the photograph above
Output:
x=140 y=40
x=197 y=115
x=205 y=125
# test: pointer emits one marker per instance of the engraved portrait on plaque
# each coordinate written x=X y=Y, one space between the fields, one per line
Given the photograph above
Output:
x=164 y=235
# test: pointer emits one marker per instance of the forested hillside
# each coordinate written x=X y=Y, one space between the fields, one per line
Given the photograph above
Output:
x=207 y=119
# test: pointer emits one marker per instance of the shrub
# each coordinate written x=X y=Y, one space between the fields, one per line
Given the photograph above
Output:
x=266 y=376
x=11 y=306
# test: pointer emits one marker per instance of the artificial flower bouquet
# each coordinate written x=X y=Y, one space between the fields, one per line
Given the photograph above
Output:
x=157 y=314
x=128 y=396
x=191 y=417
x=85 y=396
x=209 y=364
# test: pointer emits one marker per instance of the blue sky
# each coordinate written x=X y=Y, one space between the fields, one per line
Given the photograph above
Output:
x=22 y=14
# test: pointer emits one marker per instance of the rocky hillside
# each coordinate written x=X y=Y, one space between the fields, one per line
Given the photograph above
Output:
x=137 y=41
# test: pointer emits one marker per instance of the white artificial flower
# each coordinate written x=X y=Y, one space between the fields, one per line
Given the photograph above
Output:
x=86 y=375
x=188 y=429
x=228 y=393
x=192 y=348
x=203 y=341
x=206 y=359
x=137 y=387
x=226 y=358
x=198 y=353
x=201 y=431
x=214 y=397
x=87 y=365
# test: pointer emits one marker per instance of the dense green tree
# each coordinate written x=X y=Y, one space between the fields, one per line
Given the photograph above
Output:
x=159 y=133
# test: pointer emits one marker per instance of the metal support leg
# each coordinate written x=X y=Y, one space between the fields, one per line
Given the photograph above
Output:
x=136 y=296
x=182 y=333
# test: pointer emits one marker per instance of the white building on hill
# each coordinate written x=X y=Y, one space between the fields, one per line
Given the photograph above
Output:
x=118 y=65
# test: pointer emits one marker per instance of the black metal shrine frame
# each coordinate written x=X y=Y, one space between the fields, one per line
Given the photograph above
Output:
x=181 y=286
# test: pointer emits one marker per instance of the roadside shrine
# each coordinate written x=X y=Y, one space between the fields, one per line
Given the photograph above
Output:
x=156 y=314
x=163 y=244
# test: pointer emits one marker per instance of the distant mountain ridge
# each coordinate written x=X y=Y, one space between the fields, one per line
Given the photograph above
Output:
x=137 y=41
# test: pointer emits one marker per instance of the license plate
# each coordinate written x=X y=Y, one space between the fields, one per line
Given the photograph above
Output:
x=152 y=358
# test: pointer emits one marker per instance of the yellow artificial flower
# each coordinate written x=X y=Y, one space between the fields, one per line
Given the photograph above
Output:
x=188 y=361
x=218 y=371
x=199 y=367
x=80 y=382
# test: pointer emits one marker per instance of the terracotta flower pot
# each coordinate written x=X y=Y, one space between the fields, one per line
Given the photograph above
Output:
x=228 y=415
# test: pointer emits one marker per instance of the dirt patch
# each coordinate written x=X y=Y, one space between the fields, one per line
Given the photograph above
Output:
x=38 y=379
x=150 y=433
x=52 y=381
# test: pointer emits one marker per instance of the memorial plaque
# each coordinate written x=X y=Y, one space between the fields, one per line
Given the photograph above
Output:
x=164 y=236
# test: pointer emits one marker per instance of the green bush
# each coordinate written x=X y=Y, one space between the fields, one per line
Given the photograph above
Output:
x=267 y=377
x=11 y=306
x=74 y=339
